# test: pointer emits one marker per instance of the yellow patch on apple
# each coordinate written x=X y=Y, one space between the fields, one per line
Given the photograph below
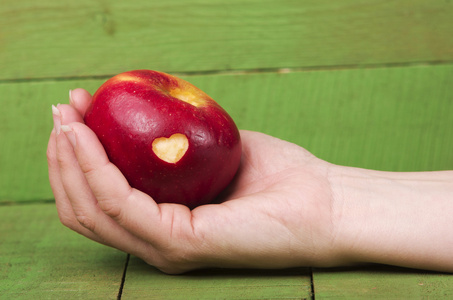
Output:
x=191 y=96
x=171 y=149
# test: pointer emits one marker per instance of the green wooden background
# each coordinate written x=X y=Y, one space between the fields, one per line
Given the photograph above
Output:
x=362 y=83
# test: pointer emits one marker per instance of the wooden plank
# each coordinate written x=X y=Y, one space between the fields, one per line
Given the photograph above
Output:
x=396 y=119
x=25 y=127
x=144 y=282
x=381 y=282
x=40 y=259
x=53 y=39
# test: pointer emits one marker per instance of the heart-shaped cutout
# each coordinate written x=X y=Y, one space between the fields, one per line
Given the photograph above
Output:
x=171 y=149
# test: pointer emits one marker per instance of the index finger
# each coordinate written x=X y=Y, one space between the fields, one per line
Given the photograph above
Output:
x=80 y=99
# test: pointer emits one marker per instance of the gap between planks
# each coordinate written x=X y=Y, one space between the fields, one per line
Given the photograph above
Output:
x=281 y=70
x=123 y=278
x=312 y=284
x=26 y=202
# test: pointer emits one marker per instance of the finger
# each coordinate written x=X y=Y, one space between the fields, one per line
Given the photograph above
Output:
x=132 y=209
x=85 y=206
x=68 y=114
x=80 y=99
x=64 y=208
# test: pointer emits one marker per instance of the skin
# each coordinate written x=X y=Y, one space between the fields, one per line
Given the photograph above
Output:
x=285 y=208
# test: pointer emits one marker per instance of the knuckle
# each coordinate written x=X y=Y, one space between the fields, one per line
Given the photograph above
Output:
x=72 y=223
x=61 y=160
x=111 y=204
x=65 y=162
x=181 y=254
x=50 y=155
x=86 y=222
x=109 y=208
x=67 y=221
x=88 y=169
x=171 y=267
x=94 y=169
x=177 y=258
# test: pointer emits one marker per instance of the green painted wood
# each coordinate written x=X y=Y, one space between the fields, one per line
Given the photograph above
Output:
x=396 y=119
x=24 y=130
x=66 y=38
x=145 y=282
x=381 y=282
x=40 y=259
x=386 y=118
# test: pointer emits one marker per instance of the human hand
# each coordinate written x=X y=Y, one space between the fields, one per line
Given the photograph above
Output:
x=278 y=211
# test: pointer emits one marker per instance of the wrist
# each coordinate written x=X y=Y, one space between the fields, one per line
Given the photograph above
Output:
x=393 y=217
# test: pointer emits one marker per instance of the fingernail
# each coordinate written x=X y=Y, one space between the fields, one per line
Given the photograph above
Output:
x=70 y=97
x=69 y=134
x=56 y=119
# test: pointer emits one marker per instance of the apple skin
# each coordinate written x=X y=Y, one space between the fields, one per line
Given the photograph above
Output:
x=133 y=109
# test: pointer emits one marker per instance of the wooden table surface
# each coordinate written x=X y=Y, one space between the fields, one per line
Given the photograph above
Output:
x=363 y=83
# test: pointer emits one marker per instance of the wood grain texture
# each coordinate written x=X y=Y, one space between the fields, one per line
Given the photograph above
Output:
x=25 y=127
x=381 y=282
x=144 y=282
x=40 y=259
x=396 y=119
x=372 y=89
x=55 y=39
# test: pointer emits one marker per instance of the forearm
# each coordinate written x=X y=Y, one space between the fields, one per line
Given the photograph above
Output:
x=403 y=219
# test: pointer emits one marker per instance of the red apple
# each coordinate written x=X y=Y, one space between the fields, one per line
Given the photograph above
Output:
x=168 y=138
